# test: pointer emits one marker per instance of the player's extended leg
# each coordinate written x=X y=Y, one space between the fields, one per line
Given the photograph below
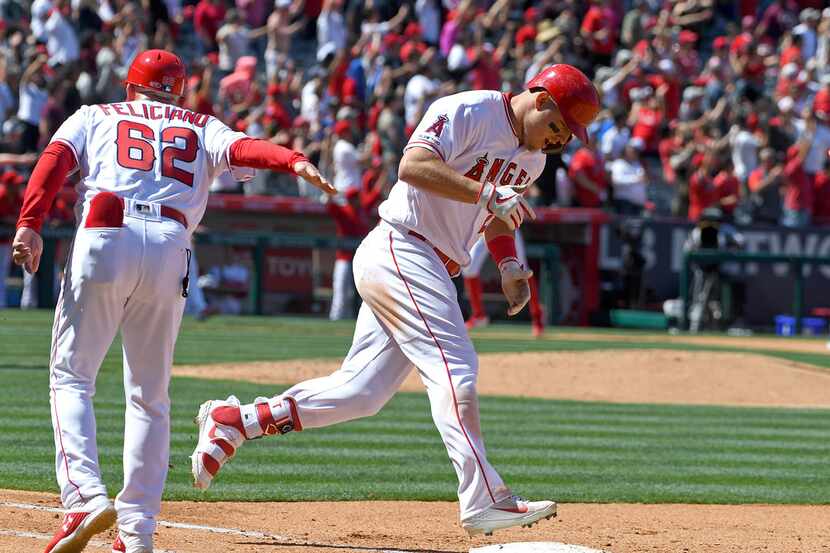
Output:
x=369 y=376
x=149 y=329
x=87 y=317
x=537 y=316
x=472 y=285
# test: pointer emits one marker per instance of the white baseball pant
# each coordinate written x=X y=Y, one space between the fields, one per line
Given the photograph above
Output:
x=409 y=317
x=126 y=278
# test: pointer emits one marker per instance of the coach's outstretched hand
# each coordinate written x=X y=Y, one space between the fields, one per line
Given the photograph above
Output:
x=27 y=248
x=309 y=172
x=514 y=284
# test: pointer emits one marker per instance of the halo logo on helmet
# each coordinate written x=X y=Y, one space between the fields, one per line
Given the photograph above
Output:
x=158 y=70
x=574 y=95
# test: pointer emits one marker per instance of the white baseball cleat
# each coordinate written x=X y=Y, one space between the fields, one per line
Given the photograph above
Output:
x=221 y=432
x=513 y=511
x=132 y=543
x=79 y=526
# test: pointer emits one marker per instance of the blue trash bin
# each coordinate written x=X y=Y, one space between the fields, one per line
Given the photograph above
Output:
x=813 y=326
x=784 y=325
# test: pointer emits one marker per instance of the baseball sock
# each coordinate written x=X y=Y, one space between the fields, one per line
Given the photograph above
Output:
x=474 y=292
x=535 y=308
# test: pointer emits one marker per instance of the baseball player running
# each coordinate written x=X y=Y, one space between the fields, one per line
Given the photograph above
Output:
x=458 y=177
x=145 y=167
x=473 y=287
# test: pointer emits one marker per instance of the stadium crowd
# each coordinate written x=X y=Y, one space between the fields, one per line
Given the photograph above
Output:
x=706 y=102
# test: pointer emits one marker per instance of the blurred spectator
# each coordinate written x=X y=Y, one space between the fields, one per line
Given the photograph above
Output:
x=429 y=20
x=345 y=157
x=783 y=128
x=778 y=17
x=11 y=200
x=614 y=140
x=817 y=127
x=745 y=146
x=233 y=39
x=61 y=38
x=686 y=56
x=254 y=12
x=352 y=221
x=280 y=28
x=40 y=13
x=7 y=97
x=633 y=28
x=727 y=189
x=628 y=179
x=207 y=17
x=791 y=53
x=808 y=30
x=420 y=91
x=598 y=29
x=823 y=48
x=32 y=102
x=646 y=116
x=589 y=179
x=821 y=187
x=239 y=90
x=702 y=192
x=798 y=187
x=765 y=187
x=331 y=27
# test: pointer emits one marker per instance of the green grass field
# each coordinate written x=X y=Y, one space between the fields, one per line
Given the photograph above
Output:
x=572 y=451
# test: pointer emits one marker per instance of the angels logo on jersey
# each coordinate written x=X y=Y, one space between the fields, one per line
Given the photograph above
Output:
x=437 y=127
x=509 y=177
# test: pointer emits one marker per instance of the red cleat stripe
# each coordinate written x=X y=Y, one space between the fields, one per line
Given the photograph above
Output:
x=211 y=464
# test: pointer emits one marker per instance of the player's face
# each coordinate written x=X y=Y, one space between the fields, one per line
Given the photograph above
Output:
x=545 y=129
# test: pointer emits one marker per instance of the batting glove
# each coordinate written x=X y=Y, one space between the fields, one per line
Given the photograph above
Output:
x=505 y=203
x=514 y=284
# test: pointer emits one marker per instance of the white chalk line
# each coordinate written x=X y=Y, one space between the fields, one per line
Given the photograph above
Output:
x=183 y=526
x=47 y=537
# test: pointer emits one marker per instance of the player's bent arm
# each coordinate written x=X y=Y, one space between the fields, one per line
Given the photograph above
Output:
x=497 y=228
x=424 y=169
x=50 y=172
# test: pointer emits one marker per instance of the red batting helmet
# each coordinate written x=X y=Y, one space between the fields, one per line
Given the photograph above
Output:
x=158 y=70
x=574 y=94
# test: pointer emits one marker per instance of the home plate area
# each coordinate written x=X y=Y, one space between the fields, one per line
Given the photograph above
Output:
x=535 y=547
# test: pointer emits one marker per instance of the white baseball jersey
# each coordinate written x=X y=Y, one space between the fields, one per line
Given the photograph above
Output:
x=473 y=134
x=149 y=151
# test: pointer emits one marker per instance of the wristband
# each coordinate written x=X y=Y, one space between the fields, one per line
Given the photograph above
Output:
x=503 y=249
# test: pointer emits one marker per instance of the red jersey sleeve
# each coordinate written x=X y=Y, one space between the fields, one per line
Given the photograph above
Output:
x=261 y=154
x=55 y=163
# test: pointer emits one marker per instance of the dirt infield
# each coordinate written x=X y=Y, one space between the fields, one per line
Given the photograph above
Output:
x=433 y=527
x=631 y=376
x=653 y=376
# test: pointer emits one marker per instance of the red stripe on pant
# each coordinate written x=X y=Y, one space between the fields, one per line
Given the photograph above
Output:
x=446 y=366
